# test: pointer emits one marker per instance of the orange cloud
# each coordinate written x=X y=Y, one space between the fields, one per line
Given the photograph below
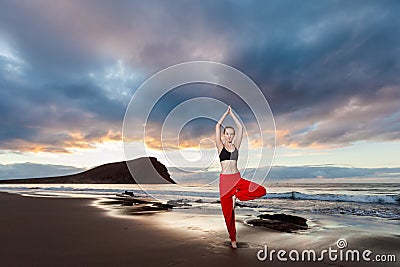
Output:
x=71 y=141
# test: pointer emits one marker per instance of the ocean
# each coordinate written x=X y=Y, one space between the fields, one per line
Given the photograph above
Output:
x=377 y=200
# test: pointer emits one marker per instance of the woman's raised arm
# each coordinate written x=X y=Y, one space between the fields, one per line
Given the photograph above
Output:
x=239 y=135
x=218 y=141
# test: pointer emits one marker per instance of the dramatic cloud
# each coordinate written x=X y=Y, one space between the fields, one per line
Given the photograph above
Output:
x=67 y=69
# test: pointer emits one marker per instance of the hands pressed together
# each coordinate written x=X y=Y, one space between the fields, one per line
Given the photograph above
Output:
x=229 y=111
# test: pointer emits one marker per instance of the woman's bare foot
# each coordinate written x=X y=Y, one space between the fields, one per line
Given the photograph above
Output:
x=233 y=243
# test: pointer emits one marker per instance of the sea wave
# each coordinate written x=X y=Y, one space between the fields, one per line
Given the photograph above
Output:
x=214 y=194
x=379 y=199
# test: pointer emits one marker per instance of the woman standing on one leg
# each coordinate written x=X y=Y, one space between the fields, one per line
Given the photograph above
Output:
x=231 y=184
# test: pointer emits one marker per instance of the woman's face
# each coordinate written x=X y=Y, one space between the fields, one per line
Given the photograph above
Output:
x=229 y=134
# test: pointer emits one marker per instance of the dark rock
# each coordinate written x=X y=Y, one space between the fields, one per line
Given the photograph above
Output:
x=145 y=208
x=128 y=193
x=285 y=217
x=246 y=205
x=164 y=206
x=144 y=169
x=177 y=203
x=182 y=200
x=137 y=206
x=280 y=222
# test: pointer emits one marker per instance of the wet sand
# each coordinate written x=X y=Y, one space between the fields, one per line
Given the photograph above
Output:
x=38 y=231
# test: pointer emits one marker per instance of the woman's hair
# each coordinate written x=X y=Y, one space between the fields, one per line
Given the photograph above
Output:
x=229 y=127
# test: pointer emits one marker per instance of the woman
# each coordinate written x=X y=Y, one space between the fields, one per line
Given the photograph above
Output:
x=231 y=184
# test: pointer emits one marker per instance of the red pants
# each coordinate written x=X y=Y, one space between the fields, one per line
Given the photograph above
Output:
x=234 y=184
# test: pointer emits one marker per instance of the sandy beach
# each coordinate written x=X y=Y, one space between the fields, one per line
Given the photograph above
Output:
x=42 y=231
x=70 y=232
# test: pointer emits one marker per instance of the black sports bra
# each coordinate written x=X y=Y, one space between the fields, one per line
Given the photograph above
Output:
x=226 y=155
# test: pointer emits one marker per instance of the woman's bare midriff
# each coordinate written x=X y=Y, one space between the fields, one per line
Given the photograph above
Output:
x=229 y=167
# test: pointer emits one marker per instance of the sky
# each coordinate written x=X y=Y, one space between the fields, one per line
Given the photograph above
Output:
x=329 y=70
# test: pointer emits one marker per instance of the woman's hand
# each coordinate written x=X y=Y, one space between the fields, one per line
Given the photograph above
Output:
x=229 y=111
x=224 y=116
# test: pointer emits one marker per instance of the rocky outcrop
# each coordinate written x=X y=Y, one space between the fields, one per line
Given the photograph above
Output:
x=145 y=170
x=280 y=222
